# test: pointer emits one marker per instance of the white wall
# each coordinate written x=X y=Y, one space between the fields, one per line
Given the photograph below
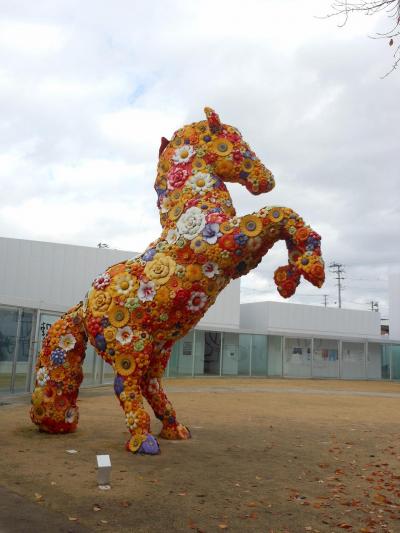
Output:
x=279 y=317
x=394 y=306
x=225 y=313
x=49 y=275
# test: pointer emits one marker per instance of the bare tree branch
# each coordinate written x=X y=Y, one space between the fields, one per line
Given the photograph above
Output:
x=346 y=8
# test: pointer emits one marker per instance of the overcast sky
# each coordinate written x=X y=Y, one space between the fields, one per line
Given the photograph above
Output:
x=88 y=88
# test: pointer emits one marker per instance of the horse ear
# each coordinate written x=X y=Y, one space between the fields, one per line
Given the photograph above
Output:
x=163 y=145
x=213 y=120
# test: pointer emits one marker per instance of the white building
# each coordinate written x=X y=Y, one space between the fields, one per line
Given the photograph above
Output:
x=39 y=281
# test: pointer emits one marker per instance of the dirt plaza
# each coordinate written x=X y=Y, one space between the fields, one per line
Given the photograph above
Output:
x=266 y=455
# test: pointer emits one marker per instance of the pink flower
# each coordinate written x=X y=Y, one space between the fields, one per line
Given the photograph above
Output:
x=197 y=301
x=146 y=291
x=217 y=218
x=210 y=269
x=176 y=177
x=102 y=281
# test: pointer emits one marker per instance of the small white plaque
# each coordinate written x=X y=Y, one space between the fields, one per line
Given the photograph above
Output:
x=103 y=461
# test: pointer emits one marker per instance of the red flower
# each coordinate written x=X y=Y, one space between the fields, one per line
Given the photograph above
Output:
x=237 y=156
x=210 y=158
x=227 y=242
x=176 y=177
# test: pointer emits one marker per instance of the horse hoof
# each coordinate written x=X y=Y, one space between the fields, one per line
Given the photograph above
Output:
x=178 y=432
x=149 y=446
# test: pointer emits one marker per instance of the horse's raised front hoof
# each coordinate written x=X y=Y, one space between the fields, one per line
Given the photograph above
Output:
x=146 y=445
x=178 y=432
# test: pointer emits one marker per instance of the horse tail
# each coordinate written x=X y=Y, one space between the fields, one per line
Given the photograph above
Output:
x=59 y=374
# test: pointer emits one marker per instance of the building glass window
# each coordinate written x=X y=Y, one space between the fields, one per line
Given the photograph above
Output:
x=395 y=349
x=274 y=355
x=297 y=357
x=353 y=360
x=21 y=378
x=376 y=362
x=326 y=358
x=8 y=336
x=207 y=353
x=259 y=355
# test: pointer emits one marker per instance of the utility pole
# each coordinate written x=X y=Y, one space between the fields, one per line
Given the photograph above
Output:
x=337 y=269
x=325 y=296
x=374 y=306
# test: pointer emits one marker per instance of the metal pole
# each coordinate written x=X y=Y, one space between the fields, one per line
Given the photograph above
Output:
x=16 y=350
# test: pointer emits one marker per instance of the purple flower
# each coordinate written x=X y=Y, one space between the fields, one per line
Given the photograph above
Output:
x=241 y=239
x=211 y=233
x=58 y=356
x=149 y=254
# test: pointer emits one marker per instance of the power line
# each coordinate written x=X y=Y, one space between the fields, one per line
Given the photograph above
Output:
x=338 y=269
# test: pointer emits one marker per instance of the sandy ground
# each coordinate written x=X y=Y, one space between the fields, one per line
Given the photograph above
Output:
x=267 y=456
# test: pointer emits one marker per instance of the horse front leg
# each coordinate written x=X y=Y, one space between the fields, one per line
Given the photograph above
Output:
x=255 y=234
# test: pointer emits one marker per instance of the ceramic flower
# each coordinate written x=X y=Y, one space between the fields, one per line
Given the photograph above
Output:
x=146 y=291
x=124 y=335
x=160 y=269
x=201 y=182
x=183 y=154
x=211 y=233
x=191 y=223
x=176 y=178
x=197 y=301
x=67 y=342
x=210 y=269
x=102 y=281
x=42 y=376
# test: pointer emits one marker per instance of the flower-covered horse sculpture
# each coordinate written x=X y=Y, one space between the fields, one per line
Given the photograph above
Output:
x=137 y=309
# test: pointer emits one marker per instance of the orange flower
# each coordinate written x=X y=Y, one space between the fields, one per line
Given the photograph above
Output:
x=194 y=272
x=227 y=242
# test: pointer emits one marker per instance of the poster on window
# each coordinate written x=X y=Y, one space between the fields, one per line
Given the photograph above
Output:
x=46 y=321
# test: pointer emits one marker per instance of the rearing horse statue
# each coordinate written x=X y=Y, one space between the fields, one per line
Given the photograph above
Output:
x=137 y=309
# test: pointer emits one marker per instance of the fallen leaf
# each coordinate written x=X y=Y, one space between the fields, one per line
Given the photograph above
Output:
x=38 y=497
x=223 y=526
x=73 y=518
x=96 y=507
x=104 y=521
x=125 y=504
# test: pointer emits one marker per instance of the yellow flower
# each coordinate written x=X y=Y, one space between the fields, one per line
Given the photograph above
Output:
x=109 y=334
x=224 y=168
x=198 y=164
x=162 y=295
x=99 y=302
x=198 y=245
x=125 y=364
x=251 y=225
x=118 y=316
x=123 y=284
x=160 y=269
x=276 y=214
x=175 y=212
x=194 y=272
x=222 y=146
x=226 y=227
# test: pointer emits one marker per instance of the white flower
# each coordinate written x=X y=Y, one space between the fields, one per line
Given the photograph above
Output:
x=165 y=204
x=42 y=376
x=102 y=281
x=191 y=223
x=183 y=154
x=67 y=342
x=153 y=386
x=132 y=419
x=172 y=236
x=197 y=301
x=70 y=415
x=201 y=181
x=124 y=335
x=146 y=291
x=210 y=269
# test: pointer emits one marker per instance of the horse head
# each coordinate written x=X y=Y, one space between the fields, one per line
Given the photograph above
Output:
x=209 y=148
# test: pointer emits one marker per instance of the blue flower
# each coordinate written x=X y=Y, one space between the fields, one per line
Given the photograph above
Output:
x=241 y=239
x=58 y=356
x=100 y=342
x=149 y=254
x=118 y=385
x=211 y=233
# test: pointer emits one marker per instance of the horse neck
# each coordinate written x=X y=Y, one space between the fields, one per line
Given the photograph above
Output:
x=217 y=200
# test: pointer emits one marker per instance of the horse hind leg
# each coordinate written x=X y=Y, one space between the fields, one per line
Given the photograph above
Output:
x=59 y=375
x=155 y=395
